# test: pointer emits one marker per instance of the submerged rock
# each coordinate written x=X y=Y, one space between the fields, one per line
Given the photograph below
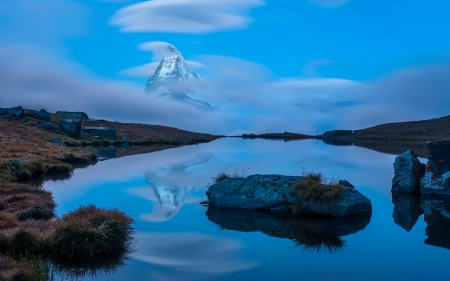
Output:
x=100 y=131
x=437 y=172
x=74 y=114
x=16 y=111
x=274 y=193
x=70 y=126
x=408 y=172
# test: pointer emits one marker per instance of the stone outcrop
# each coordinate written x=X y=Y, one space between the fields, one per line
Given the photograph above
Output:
x=408 y=172
x=41 y=114
x=16 y=111
x=74 y=114
x=274 y=193
x=437 y=171
x=70 y=126
x=49 y=126
x=100 y=131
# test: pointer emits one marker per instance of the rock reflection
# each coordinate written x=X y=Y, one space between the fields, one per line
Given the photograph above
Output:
x=172 y=185
x=312 y=234
x=436 y=210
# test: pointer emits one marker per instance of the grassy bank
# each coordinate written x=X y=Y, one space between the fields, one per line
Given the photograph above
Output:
x=31 y=154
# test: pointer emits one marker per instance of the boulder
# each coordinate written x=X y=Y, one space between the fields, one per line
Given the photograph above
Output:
x=70 y=126
x=55 y=140
x=16 y=111
x=100 y=131
x=274 y=193
x=75 y=114
x=2 y=111
x=437 y=171
x=43 y=115
x=408 y=172
x=48 y=126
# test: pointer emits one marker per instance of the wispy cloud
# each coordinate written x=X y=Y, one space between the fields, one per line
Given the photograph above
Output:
x=329 y=3
x=185 y=16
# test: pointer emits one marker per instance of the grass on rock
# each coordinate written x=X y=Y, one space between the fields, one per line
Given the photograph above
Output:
x=316 y=195
x=237 y=173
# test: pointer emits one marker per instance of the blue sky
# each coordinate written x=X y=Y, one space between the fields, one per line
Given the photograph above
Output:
x=310 y=52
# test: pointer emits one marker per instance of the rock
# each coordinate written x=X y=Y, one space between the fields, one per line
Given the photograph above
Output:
x=48 y=126
x=23 y=120
x=55 y=140
x=274 y=193
x=80 y=115
x=44 y=115
x=33 y=113
x=2 y=111
x=70 y=126
x=125 y=138
x=437 y=171
x=7 y=117
x=100 y=131
x=16 y=111
x=437 y=216
x=407 y=209
x=407 y=173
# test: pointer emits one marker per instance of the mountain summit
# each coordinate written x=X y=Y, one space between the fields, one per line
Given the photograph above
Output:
x=173 y=79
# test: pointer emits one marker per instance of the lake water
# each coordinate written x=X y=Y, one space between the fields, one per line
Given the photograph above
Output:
x=176 y=239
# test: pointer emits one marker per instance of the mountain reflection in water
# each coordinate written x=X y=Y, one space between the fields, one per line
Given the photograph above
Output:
x=171 y=185
x=312 y=234
x=436 y=209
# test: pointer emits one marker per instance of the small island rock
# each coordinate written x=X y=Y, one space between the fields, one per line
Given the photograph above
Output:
x=408 y=172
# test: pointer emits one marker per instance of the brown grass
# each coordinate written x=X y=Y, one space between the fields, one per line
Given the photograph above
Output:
x=316 y=195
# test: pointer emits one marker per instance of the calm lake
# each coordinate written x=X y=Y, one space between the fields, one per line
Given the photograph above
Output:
x=177 y=239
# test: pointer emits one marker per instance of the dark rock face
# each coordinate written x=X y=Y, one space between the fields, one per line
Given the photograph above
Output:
x=273 y=193
x=80 y=115
x=55 y=140
x=312 y=234
x=49 y=126
x=406 y=210
x=100 y=131
x=437 y=172
x=16 y=111
x=41 y=114
x=70 y=126
x=408 y=172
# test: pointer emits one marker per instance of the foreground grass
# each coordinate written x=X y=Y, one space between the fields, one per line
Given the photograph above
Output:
x=316 y=195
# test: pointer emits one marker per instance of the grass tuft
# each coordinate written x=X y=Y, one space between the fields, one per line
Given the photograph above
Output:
x=40 y=212
x=90 y=231
x=237 y=173
x=316 y=195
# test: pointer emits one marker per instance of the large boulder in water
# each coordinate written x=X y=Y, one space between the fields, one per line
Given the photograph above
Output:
x=70 y=126
x=73 y=114
x=408 y=172
x=274 y=193
x=100 y=131
x=437 y=171
x=16 y=111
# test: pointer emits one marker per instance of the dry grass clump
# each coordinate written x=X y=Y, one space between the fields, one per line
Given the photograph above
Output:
x=237 y=173
x=316 y=195
x=90 y=231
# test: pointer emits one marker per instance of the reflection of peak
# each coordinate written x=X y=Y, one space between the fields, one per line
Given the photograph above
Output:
x=174 y=80
x=169 y=195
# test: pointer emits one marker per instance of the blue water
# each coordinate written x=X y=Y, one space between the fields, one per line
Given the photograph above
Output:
x=175 y=240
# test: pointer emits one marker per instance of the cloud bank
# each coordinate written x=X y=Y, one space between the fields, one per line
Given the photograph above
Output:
x=185 y=16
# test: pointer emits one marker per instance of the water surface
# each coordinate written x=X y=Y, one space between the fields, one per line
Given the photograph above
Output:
x=178 y=239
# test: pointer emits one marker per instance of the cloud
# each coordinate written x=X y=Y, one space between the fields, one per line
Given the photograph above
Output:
x=329 y=3
x=185 y=16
